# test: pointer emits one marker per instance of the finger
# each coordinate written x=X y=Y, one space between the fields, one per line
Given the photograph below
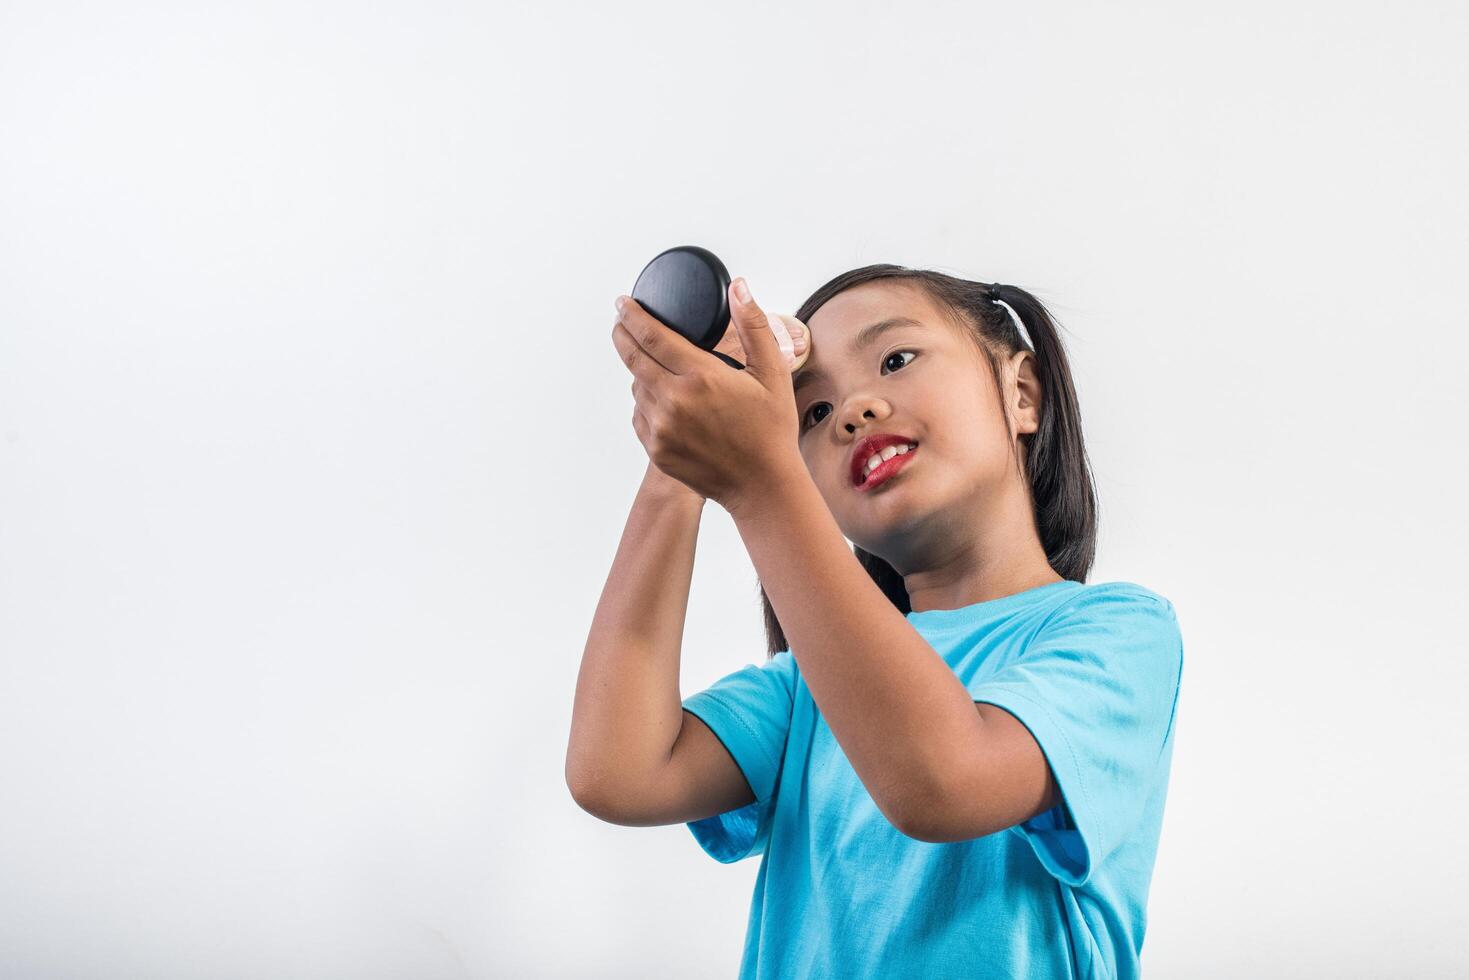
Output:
x=640 y=426
x=662 y=343
x=757 y=335
x=642 y=394
x=643 y=367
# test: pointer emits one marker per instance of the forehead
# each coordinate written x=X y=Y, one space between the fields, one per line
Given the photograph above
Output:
x=849 y=311
x=854 y=315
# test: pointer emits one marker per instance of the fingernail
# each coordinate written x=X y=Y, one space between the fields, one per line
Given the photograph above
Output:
x=798 y=335
x=742 y=290
x=782 y=335
x=618 y=302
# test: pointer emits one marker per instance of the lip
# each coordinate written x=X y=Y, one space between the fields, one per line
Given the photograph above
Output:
x=873 y=444
x=885 y=471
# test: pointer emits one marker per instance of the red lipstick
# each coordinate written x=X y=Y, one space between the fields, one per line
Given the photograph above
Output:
x=857 y=465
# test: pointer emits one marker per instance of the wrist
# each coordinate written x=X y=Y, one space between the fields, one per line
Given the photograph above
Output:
x=660 y=484
x=777 y=487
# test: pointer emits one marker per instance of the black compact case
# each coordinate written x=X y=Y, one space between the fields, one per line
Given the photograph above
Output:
x=686 y=288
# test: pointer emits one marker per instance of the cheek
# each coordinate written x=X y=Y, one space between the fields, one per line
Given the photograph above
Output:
x=972 y=457
x=821 y=467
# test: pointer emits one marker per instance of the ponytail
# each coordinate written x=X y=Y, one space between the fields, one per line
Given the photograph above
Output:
x=1061 y=487
x=1063 y=495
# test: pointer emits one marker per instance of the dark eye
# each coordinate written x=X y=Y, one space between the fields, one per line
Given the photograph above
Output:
x=807 y=421
x=897 y=353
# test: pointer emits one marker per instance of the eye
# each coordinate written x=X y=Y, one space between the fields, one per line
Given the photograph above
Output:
x=897 y=353
x=807 y=421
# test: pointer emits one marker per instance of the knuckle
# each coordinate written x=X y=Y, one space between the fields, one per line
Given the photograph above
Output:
x=648 y=337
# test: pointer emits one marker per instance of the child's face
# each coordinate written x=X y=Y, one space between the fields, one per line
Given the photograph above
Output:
x=929 y=383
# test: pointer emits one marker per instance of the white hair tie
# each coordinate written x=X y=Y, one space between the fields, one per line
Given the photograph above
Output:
x=1019 y=324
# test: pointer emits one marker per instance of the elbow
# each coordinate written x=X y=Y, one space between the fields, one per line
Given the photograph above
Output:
x=920 y=817
x=594 y=803
x=930 y=828
x=947 y=821
x=587 y=787
x=584 y=794
x=914 y=832
x=936 y=814
x=608 y=807
x=921 y=827
x=579 y=796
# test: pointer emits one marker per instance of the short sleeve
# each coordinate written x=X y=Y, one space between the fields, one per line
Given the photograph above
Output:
x=750 y=712
x=1097 y=688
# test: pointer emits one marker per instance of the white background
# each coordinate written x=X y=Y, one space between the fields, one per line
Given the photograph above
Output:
x=316 y=449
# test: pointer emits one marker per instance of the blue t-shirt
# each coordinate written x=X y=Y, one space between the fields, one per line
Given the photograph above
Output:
x=1093 y=672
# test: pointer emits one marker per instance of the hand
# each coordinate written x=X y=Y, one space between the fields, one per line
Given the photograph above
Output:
x=723 y=433
x=795 y=329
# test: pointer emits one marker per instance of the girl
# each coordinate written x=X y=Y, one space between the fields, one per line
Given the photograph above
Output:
x=955 y=760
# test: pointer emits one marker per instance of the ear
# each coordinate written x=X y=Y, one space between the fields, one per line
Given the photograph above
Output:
x=1027 y=397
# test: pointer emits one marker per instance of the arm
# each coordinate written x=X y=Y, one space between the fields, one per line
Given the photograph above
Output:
x=628 y=714
x=998 y=781
x=936 y=764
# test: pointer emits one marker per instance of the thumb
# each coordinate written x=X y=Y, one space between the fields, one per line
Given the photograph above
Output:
x=764 y=356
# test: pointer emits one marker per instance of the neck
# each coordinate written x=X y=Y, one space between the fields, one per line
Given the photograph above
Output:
x=1003 y=557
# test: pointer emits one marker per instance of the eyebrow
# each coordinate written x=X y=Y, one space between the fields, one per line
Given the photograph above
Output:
x=865 y=337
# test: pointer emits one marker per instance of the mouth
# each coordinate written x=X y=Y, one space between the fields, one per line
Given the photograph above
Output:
x=890 y=453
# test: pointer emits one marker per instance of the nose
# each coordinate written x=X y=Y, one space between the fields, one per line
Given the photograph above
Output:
x=861 y=411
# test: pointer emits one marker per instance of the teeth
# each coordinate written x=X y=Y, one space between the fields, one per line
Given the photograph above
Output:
x=876 y=459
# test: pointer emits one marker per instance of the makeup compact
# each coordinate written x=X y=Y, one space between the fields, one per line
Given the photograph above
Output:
x=686 y=288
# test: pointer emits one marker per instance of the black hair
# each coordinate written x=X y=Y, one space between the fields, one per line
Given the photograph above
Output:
x=1063 y=495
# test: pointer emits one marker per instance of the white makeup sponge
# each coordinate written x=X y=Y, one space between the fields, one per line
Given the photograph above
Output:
x=786 y=328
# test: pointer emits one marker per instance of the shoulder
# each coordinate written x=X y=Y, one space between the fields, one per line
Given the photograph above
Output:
x=1116 y=614
x=781 y=667
x=1117 y=597
x=1123 y=588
